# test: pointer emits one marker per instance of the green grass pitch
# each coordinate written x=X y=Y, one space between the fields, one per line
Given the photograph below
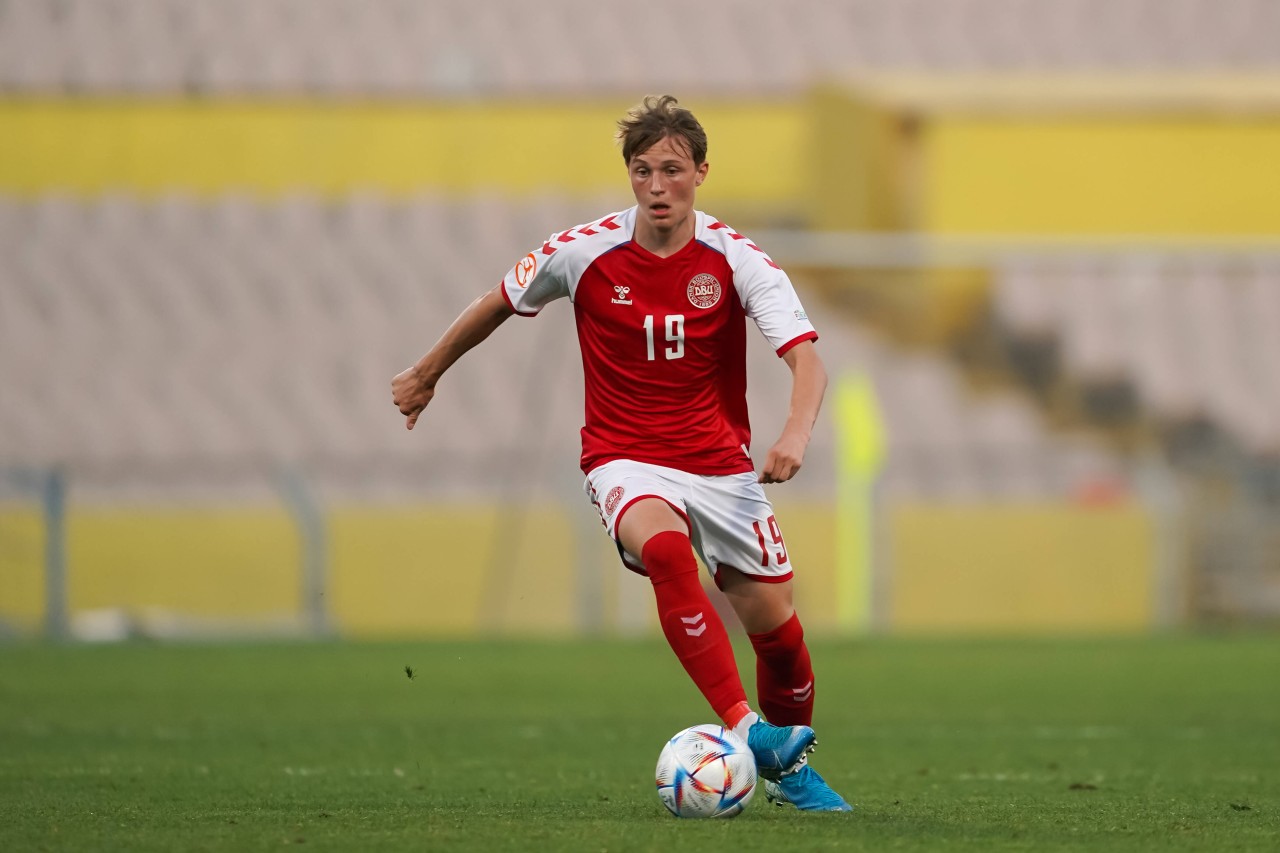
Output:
x=1169 y=743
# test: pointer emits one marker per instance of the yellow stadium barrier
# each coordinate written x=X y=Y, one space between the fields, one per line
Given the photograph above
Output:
x=269 y=147
x=1049 y=155
x=441 y=570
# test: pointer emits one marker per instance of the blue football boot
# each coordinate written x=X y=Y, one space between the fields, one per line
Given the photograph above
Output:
x=779 y=749
x=805 y=790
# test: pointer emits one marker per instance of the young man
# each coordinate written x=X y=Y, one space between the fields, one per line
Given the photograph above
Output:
x=661 y=294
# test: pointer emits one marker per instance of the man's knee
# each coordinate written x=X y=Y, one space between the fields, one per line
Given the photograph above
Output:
x=646 y=519
x=667 y=555
x=761 y=606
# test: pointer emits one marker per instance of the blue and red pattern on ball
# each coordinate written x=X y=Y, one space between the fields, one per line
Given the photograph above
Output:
x=712 y=745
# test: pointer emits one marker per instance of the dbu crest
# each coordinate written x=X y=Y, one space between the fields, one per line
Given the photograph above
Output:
x=612 y=500
x=704 y=291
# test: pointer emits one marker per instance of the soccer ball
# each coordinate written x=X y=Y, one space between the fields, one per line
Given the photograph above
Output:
x=706 y=771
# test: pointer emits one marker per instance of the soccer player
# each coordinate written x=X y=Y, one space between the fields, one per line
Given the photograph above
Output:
x=661 y=294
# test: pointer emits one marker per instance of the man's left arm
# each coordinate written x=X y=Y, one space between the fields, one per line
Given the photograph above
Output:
x=808 y=384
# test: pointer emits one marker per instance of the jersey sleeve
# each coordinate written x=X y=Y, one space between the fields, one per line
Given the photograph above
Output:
x=537 y=279
x=771 y=301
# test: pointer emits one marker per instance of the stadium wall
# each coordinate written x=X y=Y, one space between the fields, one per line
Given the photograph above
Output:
x=1049 y=156
x=438 y=570
x=946 y=155
x=267 y=147
x=22 y=567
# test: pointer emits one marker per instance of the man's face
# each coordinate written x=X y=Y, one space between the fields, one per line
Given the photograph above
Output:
x=664 y=180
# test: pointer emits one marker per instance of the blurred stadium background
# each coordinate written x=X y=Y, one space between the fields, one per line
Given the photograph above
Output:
x=1040 y=241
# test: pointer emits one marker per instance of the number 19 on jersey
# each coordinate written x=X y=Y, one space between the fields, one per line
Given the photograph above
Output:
x=674 y=330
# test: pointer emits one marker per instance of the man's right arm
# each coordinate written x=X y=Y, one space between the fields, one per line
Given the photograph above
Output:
x=413 y=388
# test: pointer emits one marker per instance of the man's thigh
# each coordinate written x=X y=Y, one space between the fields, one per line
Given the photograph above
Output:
x=734 y=525
x=624 y=488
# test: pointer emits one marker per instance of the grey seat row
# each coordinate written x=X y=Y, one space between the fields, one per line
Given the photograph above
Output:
x=234 y=331
x=581 y=47
x=1195 y=337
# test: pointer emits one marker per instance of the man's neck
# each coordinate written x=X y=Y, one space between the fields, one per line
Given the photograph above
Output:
x=665 y=243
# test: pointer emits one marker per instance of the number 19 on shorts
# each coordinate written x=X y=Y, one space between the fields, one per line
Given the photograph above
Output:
x=673 y=328
x=775 y=548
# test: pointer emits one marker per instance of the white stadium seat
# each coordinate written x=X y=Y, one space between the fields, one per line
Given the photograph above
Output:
x=238 y=328
x=579 y=47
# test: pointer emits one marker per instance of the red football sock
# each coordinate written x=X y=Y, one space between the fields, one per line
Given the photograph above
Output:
x=691 y=624
x=784 y=674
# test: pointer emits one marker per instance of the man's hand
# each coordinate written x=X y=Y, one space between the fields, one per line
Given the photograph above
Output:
x=411 y=394
x=413 y=389
x=783 y=459
x=808 y=382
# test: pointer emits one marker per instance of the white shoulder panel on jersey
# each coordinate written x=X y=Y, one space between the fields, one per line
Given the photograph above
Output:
x=765 y=291
x=553 y=270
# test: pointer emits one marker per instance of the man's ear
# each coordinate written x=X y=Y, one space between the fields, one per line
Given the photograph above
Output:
x=702 y=174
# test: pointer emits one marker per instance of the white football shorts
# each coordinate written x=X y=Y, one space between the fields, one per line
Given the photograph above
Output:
x=731 y=522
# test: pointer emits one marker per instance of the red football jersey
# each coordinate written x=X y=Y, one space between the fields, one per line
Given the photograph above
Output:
x=663 y=340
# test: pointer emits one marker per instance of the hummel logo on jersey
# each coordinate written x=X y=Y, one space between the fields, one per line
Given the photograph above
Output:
x=803 y=694
x=690 y=621
x=622 y=295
